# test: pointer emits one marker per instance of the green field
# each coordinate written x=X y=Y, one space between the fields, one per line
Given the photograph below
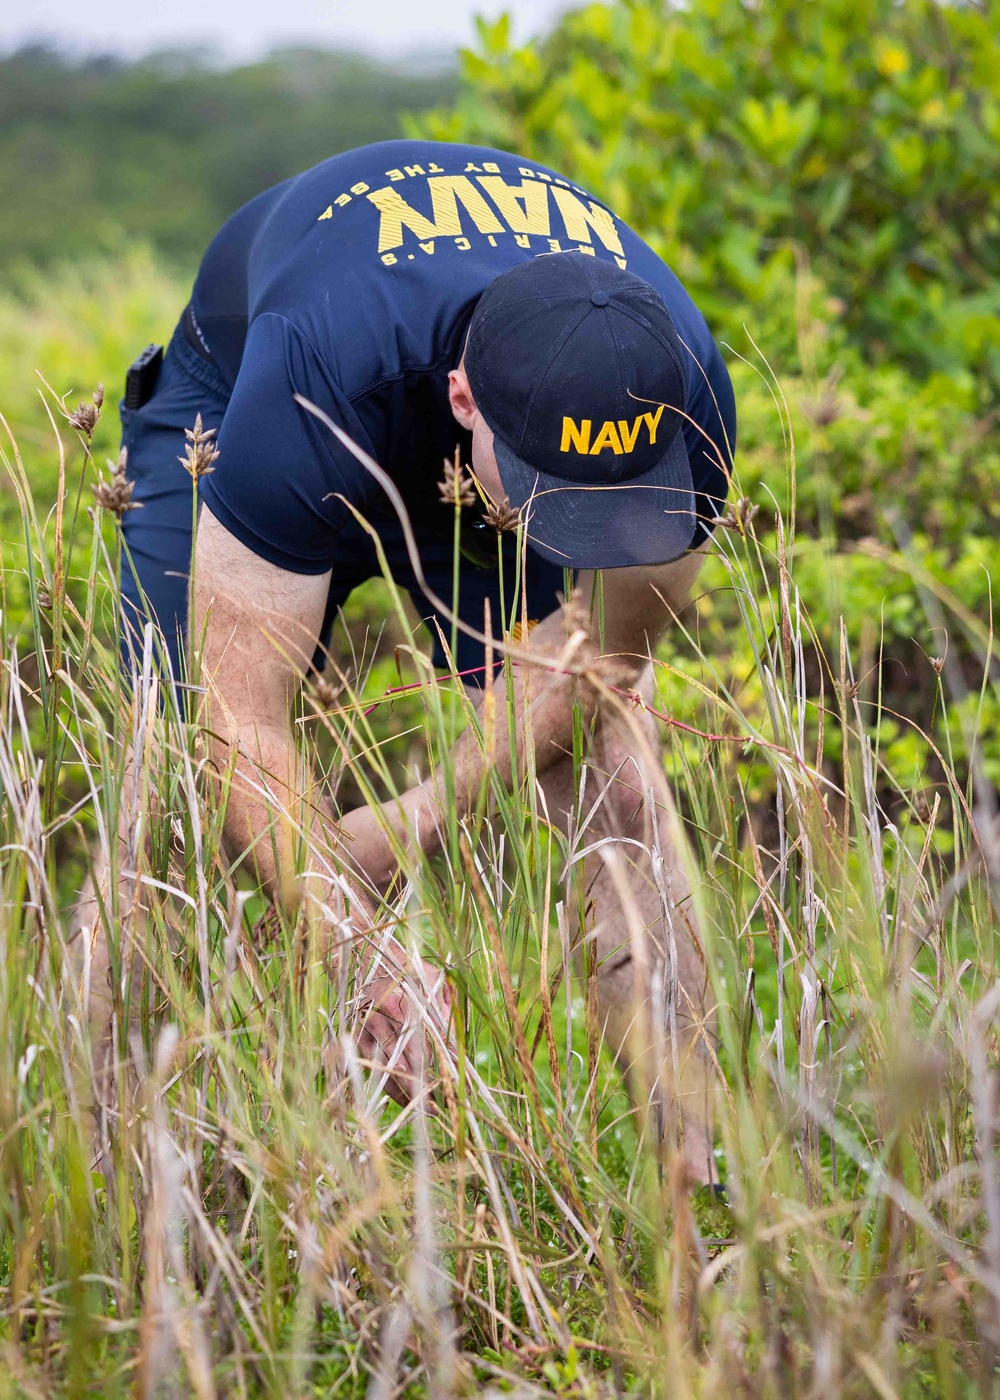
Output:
x=262 y=1221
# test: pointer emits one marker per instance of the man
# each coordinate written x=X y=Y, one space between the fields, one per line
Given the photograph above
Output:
x=424 y=297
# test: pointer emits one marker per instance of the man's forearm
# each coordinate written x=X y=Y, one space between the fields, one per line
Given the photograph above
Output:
x=274 y=809
x=636 y=607
x=545 y=697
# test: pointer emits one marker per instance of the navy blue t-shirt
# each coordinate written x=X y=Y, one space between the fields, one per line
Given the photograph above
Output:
x=353 y=284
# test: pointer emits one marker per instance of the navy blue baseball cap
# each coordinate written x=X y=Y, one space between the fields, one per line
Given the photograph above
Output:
x=577 y=368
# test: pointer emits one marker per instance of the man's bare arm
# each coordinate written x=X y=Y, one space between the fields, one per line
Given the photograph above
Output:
x=259 y=626
x=637 y=607
x=640 y=604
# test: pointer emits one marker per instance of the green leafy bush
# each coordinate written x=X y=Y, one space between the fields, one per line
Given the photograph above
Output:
x=822 y=179
x=864 y=137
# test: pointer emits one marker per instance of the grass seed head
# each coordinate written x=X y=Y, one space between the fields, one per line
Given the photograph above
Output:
x=576 y=615
x=114 y=493
x=326 y=692
x=740 y=516
x=827 y=406
x=456 y=486
x=199 y=451
x=86 y=416
x=502 y=517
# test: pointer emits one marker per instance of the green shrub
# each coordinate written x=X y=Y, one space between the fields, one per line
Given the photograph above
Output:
x=822 y=179
x=862 y=135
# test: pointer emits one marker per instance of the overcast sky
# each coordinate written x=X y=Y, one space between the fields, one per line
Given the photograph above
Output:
x=244 y=28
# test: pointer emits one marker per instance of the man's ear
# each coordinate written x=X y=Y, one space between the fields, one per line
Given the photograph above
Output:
x=463 y=405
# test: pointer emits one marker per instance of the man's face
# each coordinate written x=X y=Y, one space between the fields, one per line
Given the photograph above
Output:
x=484 y=462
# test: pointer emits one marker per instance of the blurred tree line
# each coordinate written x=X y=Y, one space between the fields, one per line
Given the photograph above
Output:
x=163 y=150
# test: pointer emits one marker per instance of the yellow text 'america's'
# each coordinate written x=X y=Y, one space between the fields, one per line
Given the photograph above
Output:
x=457 y=207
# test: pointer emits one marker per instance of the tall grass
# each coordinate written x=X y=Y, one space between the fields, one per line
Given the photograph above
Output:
x=255 y=1217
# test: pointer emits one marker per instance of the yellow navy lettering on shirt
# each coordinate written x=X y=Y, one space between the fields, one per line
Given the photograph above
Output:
x=397 y=214
x=525 y=206
x=578 y=217
x=458 y=208
x=620 y=436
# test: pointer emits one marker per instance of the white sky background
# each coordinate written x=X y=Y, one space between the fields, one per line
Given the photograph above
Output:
x=240 y=29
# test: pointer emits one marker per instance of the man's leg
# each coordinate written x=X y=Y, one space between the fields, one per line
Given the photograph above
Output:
x=654 y=993
x=89 y=950
x=154 y=586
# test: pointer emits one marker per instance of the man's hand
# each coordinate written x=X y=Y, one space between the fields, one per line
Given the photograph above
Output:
x=389 y=1037
x=391 y=1031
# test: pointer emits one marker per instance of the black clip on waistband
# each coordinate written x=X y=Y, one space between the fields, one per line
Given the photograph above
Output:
x=140 y=382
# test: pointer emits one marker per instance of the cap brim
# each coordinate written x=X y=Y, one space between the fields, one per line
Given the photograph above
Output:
x=647 y=520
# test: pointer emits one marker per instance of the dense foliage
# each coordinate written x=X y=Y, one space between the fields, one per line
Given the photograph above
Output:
x=103 y=152
x=822 y=177
x=862 y=135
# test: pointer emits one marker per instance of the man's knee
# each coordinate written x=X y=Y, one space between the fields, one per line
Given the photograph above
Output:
x=88 y=961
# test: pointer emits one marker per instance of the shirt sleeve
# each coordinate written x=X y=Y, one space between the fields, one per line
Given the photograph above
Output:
x=280 y=471
x=710 y=440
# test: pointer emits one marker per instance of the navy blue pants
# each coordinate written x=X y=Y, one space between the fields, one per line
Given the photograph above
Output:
x=158 y=537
